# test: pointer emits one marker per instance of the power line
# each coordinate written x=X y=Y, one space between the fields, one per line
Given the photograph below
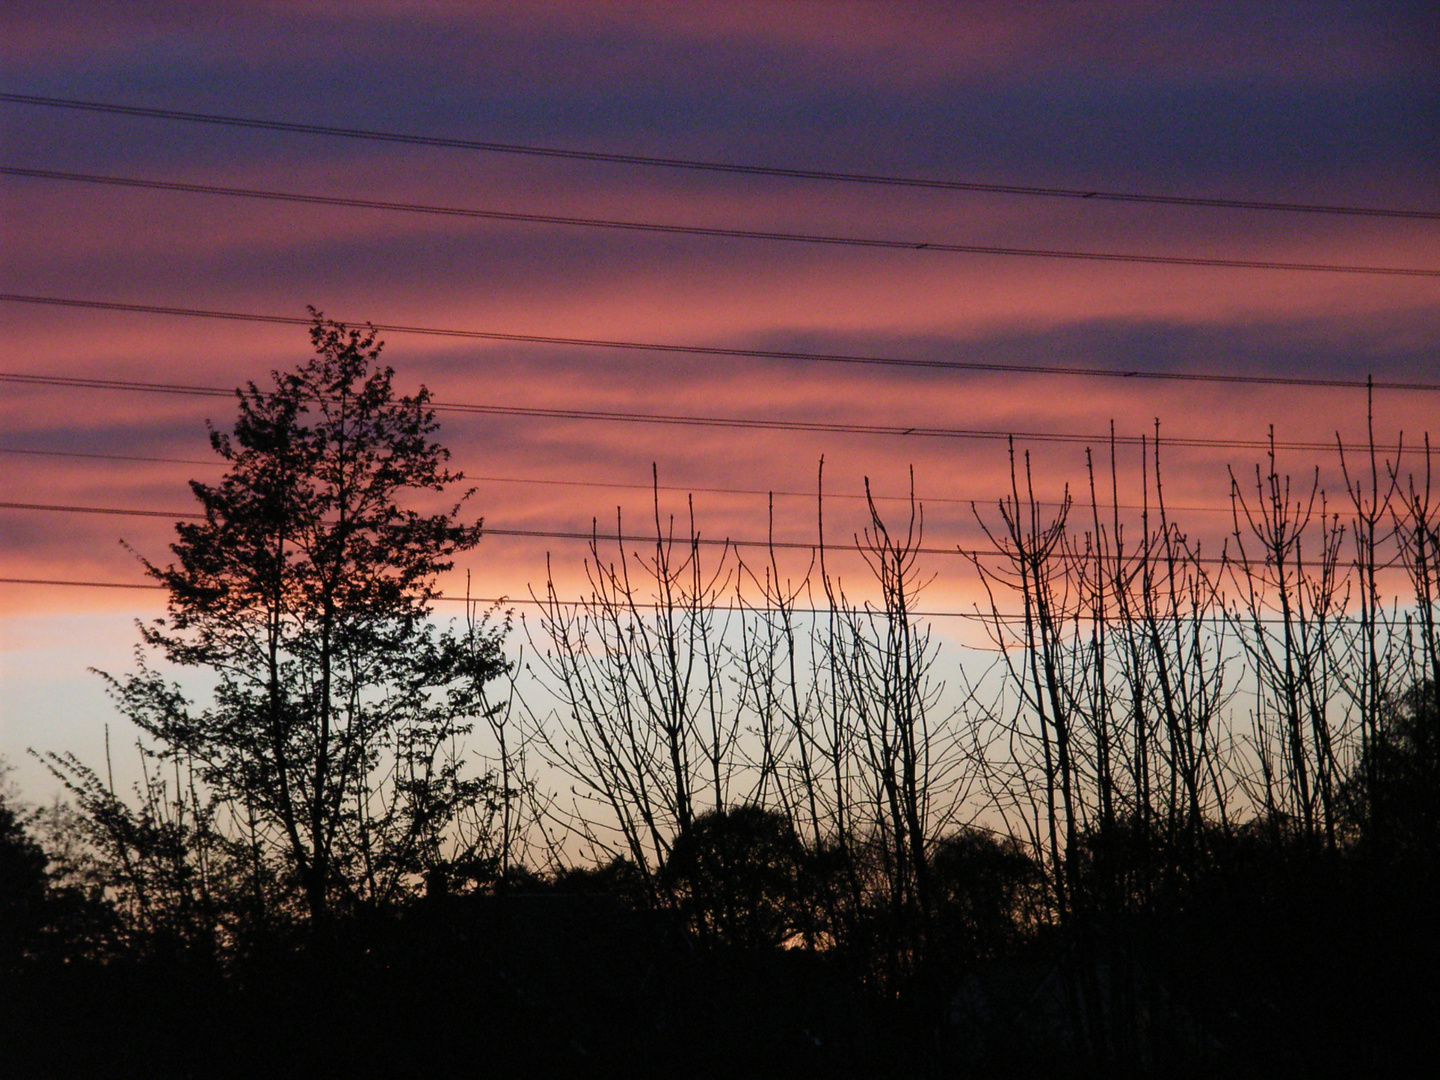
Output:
x=111 y=457
x=522 y=534
x=927 y=500
x=531 y=601
x=78 y=584
x=71 y=509
x=727 y=422
x=867 y=610
x=707 y=231
x=595 y=536
x=689 y=489
x=725 y=351
x=734 y=168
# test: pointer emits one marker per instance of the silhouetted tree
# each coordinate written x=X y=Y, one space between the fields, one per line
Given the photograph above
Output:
x=646 y=727
x=51 y=908
x=987 y=894
x=332 y=737
x=1393 y=797
x=738 y=875
x=22 y=887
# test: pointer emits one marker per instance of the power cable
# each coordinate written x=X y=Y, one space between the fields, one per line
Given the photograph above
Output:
x=823 y=175
x=992 y=617
x=87 y=455
x=530 y=601
x=728 y=422
x=688 y=489
x=524 y=534
x=595 y=536
x=538 y=602
x=707 y=231
x=723 y=351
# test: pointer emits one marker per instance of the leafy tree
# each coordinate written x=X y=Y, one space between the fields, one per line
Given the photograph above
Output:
x=987 y=891
x=333 y=730
x=22 y=886
x=1393 y=796
x=738 y=875
x=46 y=913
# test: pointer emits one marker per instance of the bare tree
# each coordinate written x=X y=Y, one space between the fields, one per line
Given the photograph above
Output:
x=645 y=726
x=1290 y=598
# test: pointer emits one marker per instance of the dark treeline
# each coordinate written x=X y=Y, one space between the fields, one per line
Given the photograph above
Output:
x=732 y=820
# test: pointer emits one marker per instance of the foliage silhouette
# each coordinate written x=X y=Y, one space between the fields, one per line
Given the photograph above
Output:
x=23 y=887
x=1393 y=797
x=987 y=895
x=739 y=877
x=331 y=737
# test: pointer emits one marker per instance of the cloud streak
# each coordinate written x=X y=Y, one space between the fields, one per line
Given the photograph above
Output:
x=1291 y=103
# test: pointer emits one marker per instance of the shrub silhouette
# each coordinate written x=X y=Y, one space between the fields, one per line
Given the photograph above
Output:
x=738 y=877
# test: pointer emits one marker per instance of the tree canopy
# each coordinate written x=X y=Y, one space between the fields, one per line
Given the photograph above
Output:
x=332 y=734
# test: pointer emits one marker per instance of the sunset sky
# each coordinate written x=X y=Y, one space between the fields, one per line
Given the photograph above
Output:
x=1335 y=105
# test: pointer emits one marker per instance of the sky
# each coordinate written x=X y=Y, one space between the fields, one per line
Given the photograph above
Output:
x=1335 y=105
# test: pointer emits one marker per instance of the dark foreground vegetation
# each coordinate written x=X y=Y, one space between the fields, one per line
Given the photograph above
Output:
x=1188 y=824
x=1270 y=960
